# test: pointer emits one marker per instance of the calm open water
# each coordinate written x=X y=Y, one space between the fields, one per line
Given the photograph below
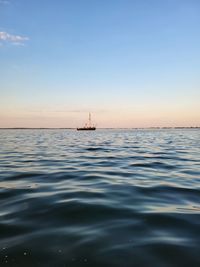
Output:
x=119 y=198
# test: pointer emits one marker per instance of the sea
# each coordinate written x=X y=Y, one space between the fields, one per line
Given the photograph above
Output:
x=110 y=197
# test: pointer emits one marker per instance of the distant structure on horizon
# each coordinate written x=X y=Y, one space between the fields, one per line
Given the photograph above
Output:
x=88 y=125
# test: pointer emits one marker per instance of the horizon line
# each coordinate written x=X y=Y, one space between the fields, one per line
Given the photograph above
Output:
x=72 y=128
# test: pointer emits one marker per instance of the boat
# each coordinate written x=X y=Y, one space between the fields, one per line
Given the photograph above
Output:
x=88 y=125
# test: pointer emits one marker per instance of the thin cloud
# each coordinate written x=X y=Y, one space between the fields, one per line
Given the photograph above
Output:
x=44 y=110
x=14 y=39
x=80 y=111
x=18 y=43
x=4 y=2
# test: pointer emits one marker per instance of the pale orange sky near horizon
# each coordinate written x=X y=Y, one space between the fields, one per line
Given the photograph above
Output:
x=127 y=117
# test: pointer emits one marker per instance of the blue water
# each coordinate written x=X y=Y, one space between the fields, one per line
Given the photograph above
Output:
x=119 y=198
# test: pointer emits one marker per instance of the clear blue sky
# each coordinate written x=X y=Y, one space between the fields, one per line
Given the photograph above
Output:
x=131 y=63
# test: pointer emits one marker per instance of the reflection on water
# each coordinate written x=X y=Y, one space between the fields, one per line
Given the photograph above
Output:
x=105 y=198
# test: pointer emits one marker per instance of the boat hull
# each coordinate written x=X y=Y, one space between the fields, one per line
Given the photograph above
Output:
x=86 y=129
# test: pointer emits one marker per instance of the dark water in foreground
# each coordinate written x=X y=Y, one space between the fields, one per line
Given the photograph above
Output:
x=106 y=198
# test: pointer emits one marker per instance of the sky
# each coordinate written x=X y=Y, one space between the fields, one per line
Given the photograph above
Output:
x=131 y=63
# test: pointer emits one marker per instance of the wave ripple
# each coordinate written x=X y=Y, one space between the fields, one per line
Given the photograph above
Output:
x=105 y=198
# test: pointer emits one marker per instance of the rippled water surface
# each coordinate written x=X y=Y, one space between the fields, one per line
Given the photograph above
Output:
x=104 y=198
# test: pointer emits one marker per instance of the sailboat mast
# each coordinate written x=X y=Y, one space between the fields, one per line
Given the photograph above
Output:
x=89 y=119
